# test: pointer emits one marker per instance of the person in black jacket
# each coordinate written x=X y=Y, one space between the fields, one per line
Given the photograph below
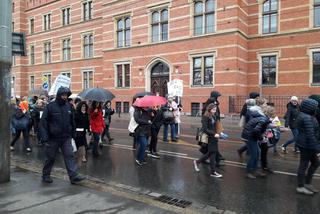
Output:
x=253 y=133
x=57 y=129
x=252 y=95
x=82 y=124
x=208 y=122
x=157 y=120
x=36 y=114
x=108 y=112
x=308 y=143
x=291 y=117
x=143 y=118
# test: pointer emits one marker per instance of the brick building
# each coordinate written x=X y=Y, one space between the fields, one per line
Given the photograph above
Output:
x=127 y=46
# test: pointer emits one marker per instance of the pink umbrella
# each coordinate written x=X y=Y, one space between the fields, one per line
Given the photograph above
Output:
x=150 y=101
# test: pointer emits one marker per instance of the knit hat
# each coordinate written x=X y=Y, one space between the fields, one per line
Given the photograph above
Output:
x=309 y=106
x=254 y=95
x=215 y=94
x=294 y=98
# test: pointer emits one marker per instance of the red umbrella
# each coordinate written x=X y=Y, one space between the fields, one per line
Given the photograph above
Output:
x=150 y=101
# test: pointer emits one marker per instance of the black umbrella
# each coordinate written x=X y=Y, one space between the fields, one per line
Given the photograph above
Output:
x=96 y=94
x=142 y=94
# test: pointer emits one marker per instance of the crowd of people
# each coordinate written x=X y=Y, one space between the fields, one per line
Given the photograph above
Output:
x=57 y=121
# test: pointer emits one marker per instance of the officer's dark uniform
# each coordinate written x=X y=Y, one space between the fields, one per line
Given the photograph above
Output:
x=57 y=129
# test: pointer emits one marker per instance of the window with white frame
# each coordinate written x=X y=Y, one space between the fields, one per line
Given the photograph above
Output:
x=88 y=46
x=31 y=83
x=87 y=10
x=31 y=24
x=316 y=67
x=66 y=49
x=48 y=79
x=65 y=16
x=67 y=74
x=159 y=25
x=47 y=21
x=32 y=58
x=47 y=52
x=316 y=13
x=204 y=17
x=268 y=70
x=202 y=70
x=87 y=79
x=270 y=16
x=123 y=75
x=123 y=32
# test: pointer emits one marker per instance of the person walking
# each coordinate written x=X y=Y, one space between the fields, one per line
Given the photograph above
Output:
x=291 y=115
x=143 y=118
x=57 y=129
x=208 y=122
x=36 y=114
x=20 y=122
x=97 y=126
x=157 y=120
x=82 y=126
x=169 y=120
x=108 y=112
x=131 y=115
x=309 y=146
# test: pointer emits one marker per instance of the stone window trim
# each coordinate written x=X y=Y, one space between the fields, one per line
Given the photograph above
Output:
x=260 y=55
x=123 y=17
x=261 y=15
x=160 y=23
x=66 y=21
x=83 y=36
x=31 y=22
x=46 y=21
x=63 y=48
x=87 y=5
x=47 y=52
x=87 y=72
x=204 y=26
x=313 y=5
x=32 y=82
x=203 y=55
x=310 y=53
x=32 y=59
x=122 y=63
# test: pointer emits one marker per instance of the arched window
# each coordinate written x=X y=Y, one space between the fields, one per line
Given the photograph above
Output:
x=159 y=25
x=270 y=16
x=123 y=32
x=204 y=17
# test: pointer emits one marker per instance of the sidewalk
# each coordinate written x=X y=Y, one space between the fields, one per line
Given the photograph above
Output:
x=25 y=193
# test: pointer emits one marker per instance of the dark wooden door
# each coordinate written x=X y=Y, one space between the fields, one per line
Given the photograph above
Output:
x=159 y=79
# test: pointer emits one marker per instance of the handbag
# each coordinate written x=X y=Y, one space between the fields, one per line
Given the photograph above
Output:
x=168 y=115
x=219 y=127
x=202 y=137
x=132 y=125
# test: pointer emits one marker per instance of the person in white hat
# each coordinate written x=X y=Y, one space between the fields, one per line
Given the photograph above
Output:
x=291 y=115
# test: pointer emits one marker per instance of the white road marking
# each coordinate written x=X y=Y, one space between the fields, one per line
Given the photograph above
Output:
x=173 y=153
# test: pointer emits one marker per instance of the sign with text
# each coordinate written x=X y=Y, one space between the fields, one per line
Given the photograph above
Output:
x=175 y=87
x=61 y=80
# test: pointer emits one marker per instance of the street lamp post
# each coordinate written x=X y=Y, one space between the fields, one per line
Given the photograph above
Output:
x=5 y=87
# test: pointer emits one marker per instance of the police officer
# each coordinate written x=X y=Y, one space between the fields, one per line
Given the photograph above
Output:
x=57 y=129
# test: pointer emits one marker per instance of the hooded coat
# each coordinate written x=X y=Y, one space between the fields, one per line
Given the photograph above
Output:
x=57 y=122
x=213 y=99
x=252 y=95
x=291 y=115
x=308 y=126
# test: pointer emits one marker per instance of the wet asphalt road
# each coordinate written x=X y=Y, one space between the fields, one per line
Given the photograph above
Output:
x=173 y=174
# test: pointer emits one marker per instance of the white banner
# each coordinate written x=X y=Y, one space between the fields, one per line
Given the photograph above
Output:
x=61 y=80
x=175 y=87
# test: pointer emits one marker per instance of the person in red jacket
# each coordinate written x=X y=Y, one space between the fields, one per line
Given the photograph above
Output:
x=97 y=125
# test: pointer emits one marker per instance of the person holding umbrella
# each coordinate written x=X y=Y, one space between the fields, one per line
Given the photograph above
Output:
x=157 y=120
x=97 y=125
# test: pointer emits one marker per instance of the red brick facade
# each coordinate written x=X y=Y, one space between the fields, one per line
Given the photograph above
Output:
x=237 y=44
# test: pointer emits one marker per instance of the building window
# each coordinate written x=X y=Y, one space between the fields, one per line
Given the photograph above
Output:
x=270 y=16
x=204 y=17
x=87 y=10
x=13 y=82
x=88 y=46
x=123 y=32
x=32 y=55
x=31 y=21
x=12 y=26
x=203 y=71
x=47 y=52
x=269 y=70
x=47 y=22
x=67 y=74
x=159 y=25
x=65 y=16
x=126 y=107
x=118 y=107
x=123 y=75
x=195 y=109
x=31 y=82
x=13 y=7
x=316 y=67
x=66 y=50
x=317 y=13
x=87 y=79
x=46 y=78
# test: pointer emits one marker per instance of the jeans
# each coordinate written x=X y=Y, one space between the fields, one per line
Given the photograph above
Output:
x=96 y=139
x=295 y=133
x=106 y=132
x=51 y=150
x=254 y=153
x=142 y=142
x=213 y=160
x=25 y=134
x=165 y=131
x=306 y=156
x=154 y=140
x=176 y=128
